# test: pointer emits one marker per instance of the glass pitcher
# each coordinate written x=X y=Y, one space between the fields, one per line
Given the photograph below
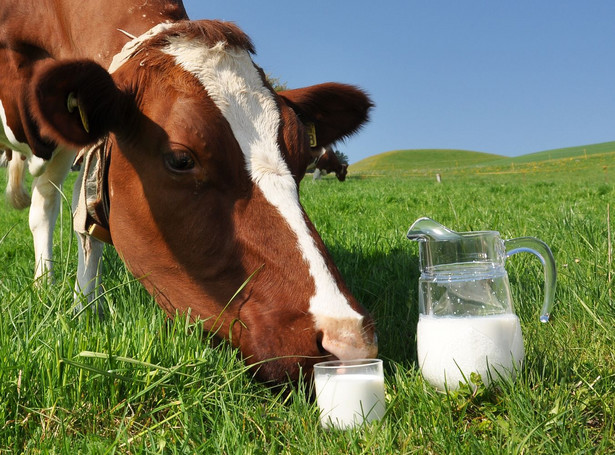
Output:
x=467 y=321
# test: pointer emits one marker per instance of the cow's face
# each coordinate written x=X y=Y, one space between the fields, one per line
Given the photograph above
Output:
x=205 y=163
x=342 y=172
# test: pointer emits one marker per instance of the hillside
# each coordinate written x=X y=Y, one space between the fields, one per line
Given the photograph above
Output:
x=581 y=151
x=430 y=161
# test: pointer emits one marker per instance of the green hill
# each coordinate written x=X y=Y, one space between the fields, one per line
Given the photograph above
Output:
x=421 y=160
x=581 y=151
x=430 y=161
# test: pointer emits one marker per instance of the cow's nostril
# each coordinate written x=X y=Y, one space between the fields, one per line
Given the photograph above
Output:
x=321 y=348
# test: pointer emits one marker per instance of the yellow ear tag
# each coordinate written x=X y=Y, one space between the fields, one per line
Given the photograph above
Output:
x=311 y=130
x=73 y=102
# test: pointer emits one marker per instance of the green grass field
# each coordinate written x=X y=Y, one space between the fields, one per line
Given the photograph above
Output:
x=137 y=383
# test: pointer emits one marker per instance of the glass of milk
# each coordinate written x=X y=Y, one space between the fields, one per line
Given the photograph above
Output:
x=349 y=392
x=467 y=322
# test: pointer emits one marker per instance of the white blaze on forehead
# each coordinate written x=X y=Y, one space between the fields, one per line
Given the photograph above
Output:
x=235 y=85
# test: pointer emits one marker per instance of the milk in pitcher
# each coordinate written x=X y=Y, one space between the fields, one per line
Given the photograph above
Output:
x=451 y=348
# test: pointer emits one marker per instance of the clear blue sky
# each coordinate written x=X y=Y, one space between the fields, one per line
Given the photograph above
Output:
x=506 y=77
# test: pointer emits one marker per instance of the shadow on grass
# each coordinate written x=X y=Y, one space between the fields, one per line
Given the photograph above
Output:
x=387 y=286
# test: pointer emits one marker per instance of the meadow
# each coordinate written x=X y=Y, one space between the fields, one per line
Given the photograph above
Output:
x=136 y=382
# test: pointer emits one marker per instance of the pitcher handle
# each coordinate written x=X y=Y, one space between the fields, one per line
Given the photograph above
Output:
x=541 y=250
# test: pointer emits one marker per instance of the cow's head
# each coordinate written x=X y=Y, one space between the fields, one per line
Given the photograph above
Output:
x=205 y=160
x=342 y=172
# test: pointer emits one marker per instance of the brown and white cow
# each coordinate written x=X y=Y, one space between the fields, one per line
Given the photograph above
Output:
x=203 y=161
x=327 y=161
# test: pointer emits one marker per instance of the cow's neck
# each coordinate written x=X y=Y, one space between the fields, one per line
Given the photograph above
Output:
x=78 y=29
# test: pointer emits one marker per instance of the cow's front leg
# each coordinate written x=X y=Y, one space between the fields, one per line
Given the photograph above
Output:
x=45 y=207
x=87 y=284
x=90 y=250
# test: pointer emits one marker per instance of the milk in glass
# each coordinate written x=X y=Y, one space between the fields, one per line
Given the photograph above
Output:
x=349 y=393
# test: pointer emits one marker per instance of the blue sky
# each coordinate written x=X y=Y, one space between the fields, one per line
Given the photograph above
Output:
x=504 y=77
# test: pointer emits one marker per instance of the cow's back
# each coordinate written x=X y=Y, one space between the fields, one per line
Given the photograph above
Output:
x=33 y=31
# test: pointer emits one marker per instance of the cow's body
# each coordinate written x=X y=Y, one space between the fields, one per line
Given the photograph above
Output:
x=203 y=162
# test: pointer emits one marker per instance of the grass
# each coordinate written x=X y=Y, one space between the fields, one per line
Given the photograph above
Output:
x=138 y=383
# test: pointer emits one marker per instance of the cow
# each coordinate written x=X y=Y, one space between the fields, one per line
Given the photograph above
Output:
x=327 y=161
x=191 y=168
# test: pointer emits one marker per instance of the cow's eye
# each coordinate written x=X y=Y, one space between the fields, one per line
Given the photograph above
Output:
x=179 y=160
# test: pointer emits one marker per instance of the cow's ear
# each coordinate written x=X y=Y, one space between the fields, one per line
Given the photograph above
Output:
x=76 y=102
x=336 y=110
